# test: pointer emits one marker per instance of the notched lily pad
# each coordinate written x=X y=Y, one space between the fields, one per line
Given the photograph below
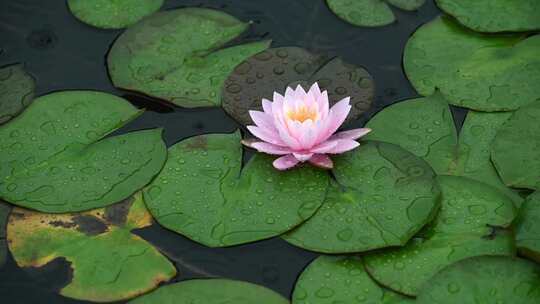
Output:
x=471 y=222
x=115 y=14
x=54 y=157
x=274 y=69
x=4 y=213
x=383 y=196
x=109 y=263
x=202 y=193
x=180 y=55
x=528 y=227
x=16 y=91
x=473 y=70
x=211 y=291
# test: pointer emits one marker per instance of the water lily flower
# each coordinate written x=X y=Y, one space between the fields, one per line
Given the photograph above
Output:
x=300 y=127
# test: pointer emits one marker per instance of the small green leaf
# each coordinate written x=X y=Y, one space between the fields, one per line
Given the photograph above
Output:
x=528 y=227
x=109 y=263
x=180 y=55
x=4 y=213
x=370 y=12
x=54 y=157
x=16 y=91
x=115 y=14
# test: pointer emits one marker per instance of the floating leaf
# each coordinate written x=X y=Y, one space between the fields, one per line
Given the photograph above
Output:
x=274 y=69
x=340 y=279
x=4 y=213
x=370 y=12
x=212 y=291
x=53 y=157
x=528 y=227
x=16 y=91
x=115 y=14
x=202 y=194
x=109 y=263
x=180 y=55
x=385 y=195
x=477 y=71
x=470 y=223
x=495 y=15
x=486 y=279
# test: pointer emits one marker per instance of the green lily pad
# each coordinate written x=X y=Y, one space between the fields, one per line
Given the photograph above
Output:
x=115 y=14
x=54 y=157
x=202 y=193
x=383 y=196
x=180 y=55
x=16 y=91
x=515 y=149
x=274 y=69
x=4 y=213
x=370 y=12
x=109 y=263
x=473 y=70
x=495 y=15
x=211 y=291
x=470 y=223
x=486 y=279
x=528 y=227
x=341 y=279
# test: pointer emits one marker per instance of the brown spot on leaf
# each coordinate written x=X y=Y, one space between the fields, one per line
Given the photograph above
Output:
x=197 y=143
x=89 y=225
x=117 y=214
x=62 y=224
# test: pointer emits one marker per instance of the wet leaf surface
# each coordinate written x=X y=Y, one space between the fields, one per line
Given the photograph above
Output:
x=473 y=70
x=527 y=226
x=383 y=197
x=54 y=157
x=203 y=194
x=16 y=91
x=274 y=69
x=4 y=213
x=115 y=14
x=180 y=55
x=471 y=222
x=109 y=263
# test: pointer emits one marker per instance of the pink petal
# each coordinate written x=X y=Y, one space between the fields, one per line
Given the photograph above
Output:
x=263 y=121
x=266 y=135
x=289 y=92
x=285 y=162
x=351 y=134
x=325 y=146
x=343 y=145
x=268 y=148
x=302 y=156
x=284 y=134
x=267 y=106
x=321 y=161
x=337 y=116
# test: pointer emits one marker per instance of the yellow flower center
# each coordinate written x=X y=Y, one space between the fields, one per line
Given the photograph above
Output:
x=303 y=113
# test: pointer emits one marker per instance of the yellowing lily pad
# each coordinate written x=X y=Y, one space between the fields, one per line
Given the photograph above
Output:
x=54 y=157
x=113 y=14
x=180 y=55
x=211 y=291
x=4 y=213
x=473 y=70
x=471 y=222
x=16 y=91
x=383 y=196
x=109 y=263
x=528 y=227
x=203 y=194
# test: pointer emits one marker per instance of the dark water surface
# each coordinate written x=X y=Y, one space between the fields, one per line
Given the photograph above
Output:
x=63 y=53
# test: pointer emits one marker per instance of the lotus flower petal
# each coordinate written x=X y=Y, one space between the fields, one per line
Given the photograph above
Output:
x=285 y=162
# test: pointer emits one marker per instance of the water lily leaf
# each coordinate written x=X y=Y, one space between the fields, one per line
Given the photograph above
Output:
x=470 y=223
x=515 y=149
x=4 y=213
x=494 y=15
x=528 y=227
x=370 y=12
x=109 y=263
x=274 y=69
x=385 y=195
x=202 y=193
x=16 y=91
x=486 y=279
x=116 y=14
x=53 y=157
x=341 y=279
x=211 y=291
x=180 y=55
x=473 y=70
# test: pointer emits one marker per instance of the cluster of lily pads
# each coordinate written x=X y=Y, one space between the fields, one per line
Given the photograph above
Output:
x=420 y=212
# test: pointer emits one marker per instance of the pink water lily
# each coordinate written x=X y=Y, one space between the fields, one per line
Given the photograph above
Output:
x=300 y=127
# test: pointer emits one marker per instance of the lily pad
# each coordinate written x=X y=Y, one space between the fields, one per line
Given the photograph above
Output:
x=341 y=279
x=471 y=222
x=383 y=196
x=202 y=193
x=370 y=13
x=274 y=69
x=16 y=91
x=212 y=291
x=180 y=55
x=528 y=227
x=495 y=15
x=109 y=263
x=54 y=157
x=515 y=149
x=115 y=14
x=4 y=213
x=486 y=279
x=473 y=70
